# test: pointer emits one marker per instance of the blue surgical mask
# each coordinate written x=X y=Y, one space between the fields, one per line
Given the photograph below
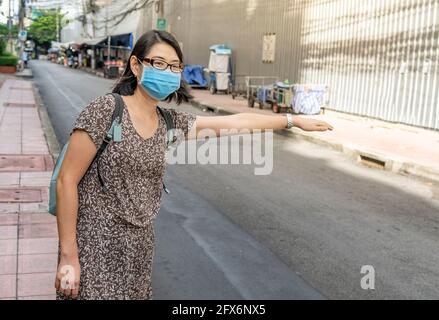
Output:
x=159 y=83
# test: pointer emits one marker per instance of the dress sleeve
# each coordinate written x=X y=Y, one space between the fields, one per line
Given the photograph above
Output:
x=95 y=118
x=183 y=122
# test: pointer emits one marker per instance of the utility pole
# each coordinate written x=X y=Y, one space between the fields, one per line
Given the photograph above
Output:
x=107 y=32
x=57 y=23
x=10 y=25
x=21 y=5
x=162 y=9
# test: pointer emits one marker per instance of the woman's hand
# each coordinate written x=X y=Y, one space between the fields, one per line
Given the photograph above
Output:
x=311 y=124
x=68 y=275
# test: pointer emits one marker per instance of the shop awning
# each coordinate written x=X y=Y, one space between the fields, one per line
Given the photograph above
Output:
x=94 y=41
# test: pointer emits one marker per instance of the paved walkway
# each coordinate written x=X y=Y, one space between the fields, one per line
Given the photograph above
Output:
x=398 y=148
x=28 y=234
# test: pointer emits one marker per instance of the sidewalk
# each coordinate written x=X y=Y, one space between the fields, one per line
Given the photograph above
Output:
x=393 y=147
x=28 y=234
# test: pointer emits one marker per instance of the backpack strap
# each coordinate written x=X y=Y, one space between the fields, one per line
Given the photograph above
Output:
x=116 y=119
x=170 y=126
x=170 y=133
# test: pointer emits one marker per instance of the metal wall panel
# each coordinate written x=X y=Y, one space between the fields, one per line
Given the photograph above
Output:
x=379 y=58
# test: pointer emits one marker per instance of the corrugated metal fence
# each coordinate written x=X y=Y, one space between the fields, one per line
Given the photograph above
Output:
x=380 y=58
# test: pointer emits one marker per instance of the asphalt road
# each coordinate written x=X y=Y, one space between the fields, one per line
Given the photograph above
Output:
x=304 y=231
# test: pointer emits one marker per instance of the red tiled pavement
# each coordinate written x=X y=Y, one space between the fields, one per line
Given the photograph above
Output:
x=20 y=195
x=33 y=284
x=9 y=207
x=28 y=234
x=33 y=217
x=43 y=297
x=38 y=245
x=8 y=232
x=35 y=179
x=37 y=230
x=39 y=207
x=37 y=263
x=11 y=179
x=14 y=163
x=8 y=264
x=8 y=247
x=7 y=219
x=8 y=286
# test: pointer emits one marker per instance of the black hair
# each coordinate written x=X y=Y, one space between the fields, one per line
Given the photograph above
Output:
x=126 y=85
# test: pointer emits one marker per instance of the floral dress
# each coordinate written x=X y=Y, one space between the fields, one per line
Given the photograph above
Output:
x=115 y=231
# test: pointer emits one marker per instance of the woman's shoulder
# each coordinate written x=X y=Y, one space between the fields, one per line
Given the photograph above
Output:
x=100 y=106
x=95 y=117
x=103 y=102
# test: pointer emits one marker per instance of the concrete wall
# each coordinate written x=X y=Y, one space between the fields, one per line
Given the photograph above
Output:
x=380 y=58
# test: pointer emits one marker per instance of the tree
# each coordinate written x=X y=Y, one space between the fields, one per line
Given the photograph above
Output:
x=4 y=30
x=4 y=35
x=43 y=30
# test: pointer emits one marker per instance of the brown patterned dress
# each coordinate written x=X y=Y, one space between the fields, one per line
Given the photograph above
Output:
x=115 y=230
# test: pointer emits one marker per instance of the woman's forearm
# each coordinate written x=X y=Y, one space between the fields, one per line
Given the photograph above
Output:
x=253 y=121
x=66 y=213
x=241 y=121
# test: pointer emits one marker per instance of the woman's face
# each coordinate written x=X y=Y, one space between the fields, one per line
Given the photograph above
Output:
x=160 y=52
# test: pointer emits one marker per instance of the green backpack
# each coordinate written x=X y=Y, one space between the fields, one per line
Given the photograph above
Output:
x=113 y=134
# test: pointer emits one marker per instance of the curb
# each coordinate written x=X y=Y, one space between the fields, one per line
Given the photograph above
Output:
x=49 y=132
x=207 y=108
x=25 y=74
x=370 y=158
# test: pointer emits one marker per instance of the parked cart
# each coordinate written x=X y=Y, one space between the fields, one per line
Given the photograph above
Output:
x=260 y=89
x=282 y=97
x=239 y=86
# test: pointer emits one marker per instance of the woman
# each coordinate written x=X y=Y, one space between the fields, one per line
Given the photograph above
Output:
x=107 y=238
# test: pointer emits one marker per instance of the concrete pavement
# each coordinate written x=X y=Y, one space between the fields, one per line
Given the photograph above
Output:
x=28 y=235
x=397 y=148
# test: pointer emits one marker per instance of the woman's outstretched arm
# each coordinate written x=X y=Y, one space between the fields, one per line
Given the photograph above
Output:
x=251 y=121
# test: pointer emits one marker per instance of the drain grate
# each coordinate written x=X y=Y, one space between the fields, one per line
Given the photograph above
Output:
x=13 y=163
x=20 y=88
x=372 y=162
x=20 y=104
x=20 y=195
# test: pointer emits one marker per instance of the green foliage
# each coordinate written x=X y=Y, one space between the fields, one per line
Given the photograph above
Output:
x=43 y=29
x=8 y=59
x=4 y=31
x=2 y=46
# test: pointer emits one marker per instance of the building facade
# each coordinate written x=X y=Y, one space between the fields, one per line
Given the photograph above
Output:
x=380 y=59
